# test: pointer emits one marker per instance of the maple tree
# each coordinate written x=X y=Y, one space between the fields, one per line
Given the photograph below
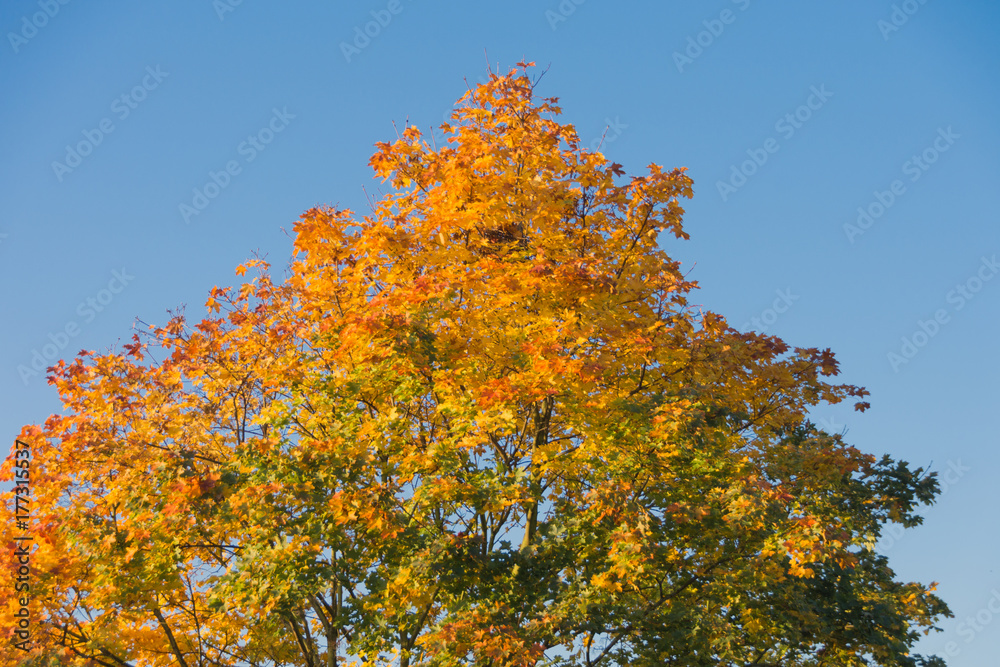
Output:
x=481 y=425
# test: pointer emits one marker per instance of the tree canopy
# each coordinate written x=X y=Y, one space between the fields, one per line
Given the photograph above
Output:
x=480 y=425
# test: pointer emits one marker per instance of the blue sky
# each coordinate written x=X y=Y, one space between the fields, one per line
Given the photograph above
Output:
x=789 y=115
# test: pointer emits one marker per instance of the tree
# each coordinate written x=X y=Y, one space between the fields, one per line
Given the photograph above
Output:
x=481 y=425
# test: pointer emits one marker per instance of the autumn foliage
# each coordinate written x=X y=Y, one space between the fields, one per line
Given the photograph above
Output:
x=480 y=425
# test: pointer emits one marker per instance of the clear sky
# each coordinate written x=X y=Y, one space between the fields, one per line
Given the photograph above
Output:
x=845 y=159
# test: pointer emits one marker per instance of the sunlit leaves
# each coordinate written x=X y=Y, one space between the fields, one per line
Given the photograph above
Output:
x=479 y=425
